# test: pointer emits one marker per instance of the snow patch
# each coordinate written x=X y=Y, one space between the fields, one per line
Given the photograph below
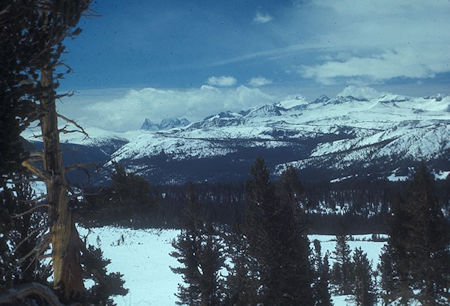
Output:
x=142 y=256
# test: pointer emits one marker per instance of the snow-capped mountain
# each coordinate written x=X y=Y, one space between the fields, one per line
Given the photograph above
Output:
x=326 y=138
x=165 y=124
x=334 y=136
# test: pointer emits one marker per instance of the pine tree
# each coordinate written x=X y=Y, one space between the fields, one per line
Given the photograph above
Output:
x=242 y=280
x=277 y=239
x=363 y=286
x=199 y=251
x=21 y=230
x=387 y=277
x=106 y=285
x=324 y=284
x=32 y=42
x=342 y=269
x=321 y=277
x=37 y=29
x=129 y=194
x=419 y=239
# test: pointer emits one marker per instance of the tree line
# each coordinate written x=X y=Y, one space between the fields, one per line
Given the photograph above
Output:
x=267 y=259
x=329 y=208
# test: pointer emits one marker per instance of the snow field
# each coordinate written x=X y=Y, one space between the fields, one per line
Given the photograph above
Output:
x=142 y=256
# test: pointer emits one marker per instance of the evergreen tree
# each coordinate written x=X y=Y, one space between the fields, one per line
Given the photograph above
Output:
x=22 y=230
x=242 y=279
x=106 y=285
x=324 y=284
x=35 y=30
x=129 y=195
x=342 y=269
x=32 y=38
x=363 y=286
x=277 y=239
x=322 y=277
x=419 y=239
x=199 y=251
x=387 y=277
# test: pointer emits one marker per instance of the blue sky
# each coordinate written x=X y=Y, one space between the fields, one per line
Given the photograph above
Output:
x=260 y=51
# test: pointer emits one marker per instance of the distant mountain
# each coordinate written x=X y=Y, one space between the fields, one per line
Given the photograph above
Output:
x=165 y=124
x=326 y=139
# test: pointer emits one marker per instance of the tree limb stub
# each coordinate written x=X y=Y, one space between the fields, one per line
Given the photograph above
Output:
x=36 y=171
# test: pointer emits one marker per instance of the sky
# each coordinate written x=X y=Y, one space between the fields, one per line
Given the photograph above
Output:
x=162 y=58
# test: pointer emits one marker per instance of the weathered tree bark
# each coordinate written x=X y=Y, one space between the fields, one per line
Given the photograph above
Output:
x=67 y=271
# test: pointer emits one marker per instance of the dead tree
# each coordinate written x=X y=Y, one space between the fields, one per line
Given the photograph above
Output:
x=46 y=23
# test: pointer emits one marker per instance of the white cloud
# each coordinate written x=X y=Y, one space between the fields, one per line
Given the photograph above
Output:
x=365 y=40
x=128 y=110
x=361 y=92
x=222 y=81
x=408 y=62
x=262 y=18
x=259 y=81
x=380 y=40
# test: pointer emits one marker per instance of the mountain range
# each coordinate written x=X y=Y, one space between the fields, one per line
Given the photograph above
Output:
x=325 y=138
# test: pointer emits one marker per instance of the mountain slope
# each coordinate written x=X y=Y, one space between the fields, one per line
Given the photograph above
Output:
x=326 y=138
x=338 y=134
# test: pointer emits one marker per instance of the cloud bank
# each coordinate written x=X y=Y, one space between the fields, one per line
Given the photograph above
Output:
x=361 y=92
x=127 y=111
x=376 y=41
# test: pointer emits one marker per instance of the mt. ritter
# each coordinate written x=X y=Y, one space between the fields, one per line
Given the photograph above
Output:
x=326 y=139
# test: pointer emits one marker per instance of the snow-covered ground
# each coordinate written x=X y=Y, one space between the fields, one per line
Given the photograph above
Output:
x=143 y=258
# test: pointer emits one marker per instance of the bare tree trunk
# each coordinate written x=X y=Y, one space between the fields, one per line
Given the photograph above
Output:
x=67 y=271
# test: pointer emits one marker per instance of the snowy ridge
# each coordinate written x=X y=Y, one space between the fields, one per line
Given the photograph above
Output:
x=391 y=126
x=363 y=128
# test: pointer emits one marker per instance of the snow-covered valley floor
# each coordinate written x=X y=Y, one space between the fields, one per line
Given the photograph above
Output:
x=143 y=257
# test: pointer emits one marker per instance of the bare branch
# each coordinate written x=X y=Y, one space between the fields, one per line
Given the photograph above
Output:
x=35 y=200
x=64 y=131
x=5 y=10
x=37 y=251
x=28 y=237
x=69 y=69
x=45 y=256
x=36 y=171
x=30 y=210
x=81 y=167
x=90 y=12
x=82 y=131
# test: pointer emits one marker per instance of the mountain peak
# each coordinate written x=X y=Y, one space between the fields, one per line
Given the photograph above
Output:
x=149 y=126
x=291 y=102
x=165 y=124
